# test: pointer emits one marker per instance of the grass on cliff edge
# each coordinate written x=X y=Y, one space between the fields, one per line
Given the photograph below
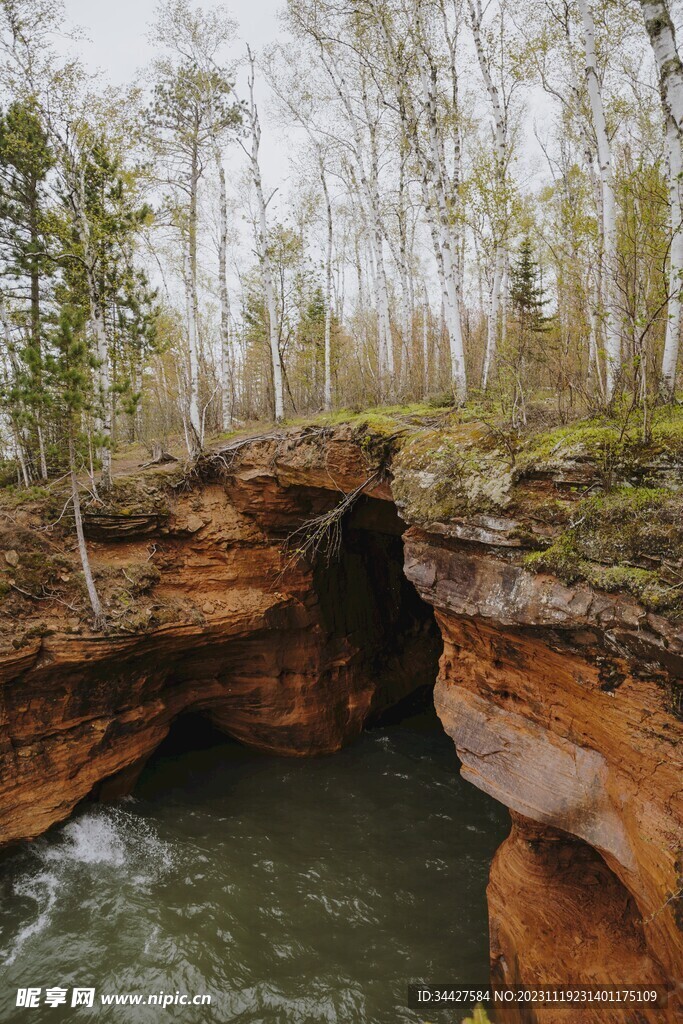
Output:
x=620 y=531
x=629 y=539
x=623 y=534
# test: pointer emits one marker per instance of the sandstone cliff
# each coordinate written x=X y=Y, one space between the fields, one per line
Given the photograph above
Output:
x=559 y=693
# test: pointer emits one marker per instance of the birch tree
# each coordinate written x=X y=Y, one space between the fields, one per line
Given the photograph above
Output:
x=411 y=67
x=227 y=387
x=609 y=208
x=662 y=37
x=500 y=136
x=190 y=113
x=362 y=111
x=253 y=153
x=285 y=76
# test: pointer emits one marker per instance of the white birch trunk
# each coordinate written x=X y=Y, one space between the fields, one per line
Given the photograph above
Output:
x=19 y=448
x=387 y=369
x=264 y=254
x=196 y=433
x=492 y=326
x=11 y=356
x=404 y=275
x=82 y=546
x=328 y=293
x=425 y=342
x=104 y=411
x=373 y=215
x=226 y=363
x=500 y=141
x=609 y=208
x=675 y=308
x=595 y=337
x=191 y=418
x=41 y=452
x=99 y=328
x=660 y=29
x=504 y=290
x=436 y=172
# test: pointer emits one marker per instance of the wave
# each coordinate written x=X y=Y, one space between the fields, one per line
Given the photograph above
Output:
x=100 y=838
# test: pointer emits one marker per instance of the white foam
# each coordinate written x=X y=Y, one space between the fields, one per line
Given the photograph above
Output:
x=93 y=839
x=115 y=837
x=43 y=889
x=106 y=837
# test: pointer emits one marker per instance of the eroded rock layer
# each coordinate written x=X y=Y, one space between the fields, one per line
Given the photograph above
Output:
x=285 y=658
x=560 y=698
x=537 y=688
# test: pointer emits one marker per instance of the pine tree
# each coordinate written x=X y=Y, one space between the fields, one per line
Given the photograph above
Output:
x=104 y=215
x=25 y=162
x=527 y=294
x=70 y=367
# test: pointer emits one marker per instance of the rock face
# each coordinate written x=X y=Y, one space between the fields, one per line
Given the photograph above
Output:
x=558 y=698
x=285 y=658
x=538 y=689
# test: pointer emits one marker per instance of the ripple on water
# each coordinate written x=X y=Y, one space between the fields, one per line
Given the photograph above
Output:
x=293 y=895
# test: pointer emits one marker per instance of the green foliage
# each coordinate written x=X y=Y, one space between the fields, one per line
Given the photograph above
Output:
x=619 y=449
x=630 y=539
x=26 y=239
x=527 y=295
x=192 y=106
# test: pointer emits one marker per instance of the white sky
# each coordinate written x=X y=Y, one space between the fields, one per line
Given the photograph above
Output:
x=118 y=30
x=117 y=45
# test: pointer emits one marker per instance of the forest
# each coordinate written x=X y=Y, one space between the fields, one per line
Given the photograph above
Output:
x=341 y=413
x=471 y=203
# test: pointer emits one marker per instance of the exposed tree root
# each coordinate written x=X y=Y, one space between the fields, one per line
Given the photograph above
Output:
x=323 y=533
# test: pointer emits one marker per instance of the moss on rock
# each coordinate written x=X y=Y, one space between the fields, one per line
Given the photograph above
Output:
x=628 y=539
x=441 y=475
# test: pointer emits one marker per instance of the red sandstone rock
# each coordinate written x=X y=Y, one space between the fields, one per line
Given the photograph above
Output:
x=572 y=740
x=556 y=697
x=274 y=664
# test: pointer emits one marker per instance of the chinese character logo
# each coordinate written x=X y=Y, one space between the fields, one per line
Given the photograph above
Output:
x=55 y=997
x=82 y=996
x=28 y=997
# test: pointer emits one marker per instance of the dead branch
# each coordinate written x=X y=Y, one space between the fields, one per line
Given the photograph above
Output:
x=324 y=532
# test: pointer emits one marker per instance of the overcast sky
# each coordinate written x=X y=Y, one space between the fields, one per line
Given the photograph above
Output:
x=118 y=46
x=118 y=30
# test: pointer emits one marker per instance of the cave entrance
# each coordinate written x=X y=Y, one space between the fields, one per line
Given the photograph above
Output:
x=191 y=731
x=378 y=650
x=365 y=597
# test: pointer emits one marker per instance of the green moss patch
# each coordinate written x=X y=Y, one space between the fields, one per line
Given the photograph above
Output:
x=629 y=539
x=614 y=451
x=441 y=475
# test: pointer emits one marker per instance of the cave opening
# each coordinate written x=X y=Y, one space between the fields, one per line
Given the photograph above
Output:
x=190 y=731
x=365 y=597
x=278 y=880
x=377 y=628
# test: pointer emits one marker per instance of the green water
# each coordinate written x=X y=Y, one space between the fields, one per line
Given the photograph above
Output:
x=290 y=891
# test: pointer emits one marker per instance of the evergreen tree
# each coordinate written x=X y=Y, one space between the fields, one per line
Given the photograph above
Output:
x=71 y=368
x=104 y=216
x=25 y=162
x=526 y=291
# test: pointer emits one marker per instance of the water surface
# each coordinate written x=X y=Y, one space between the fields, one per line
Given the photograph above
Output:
x=291 y=891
